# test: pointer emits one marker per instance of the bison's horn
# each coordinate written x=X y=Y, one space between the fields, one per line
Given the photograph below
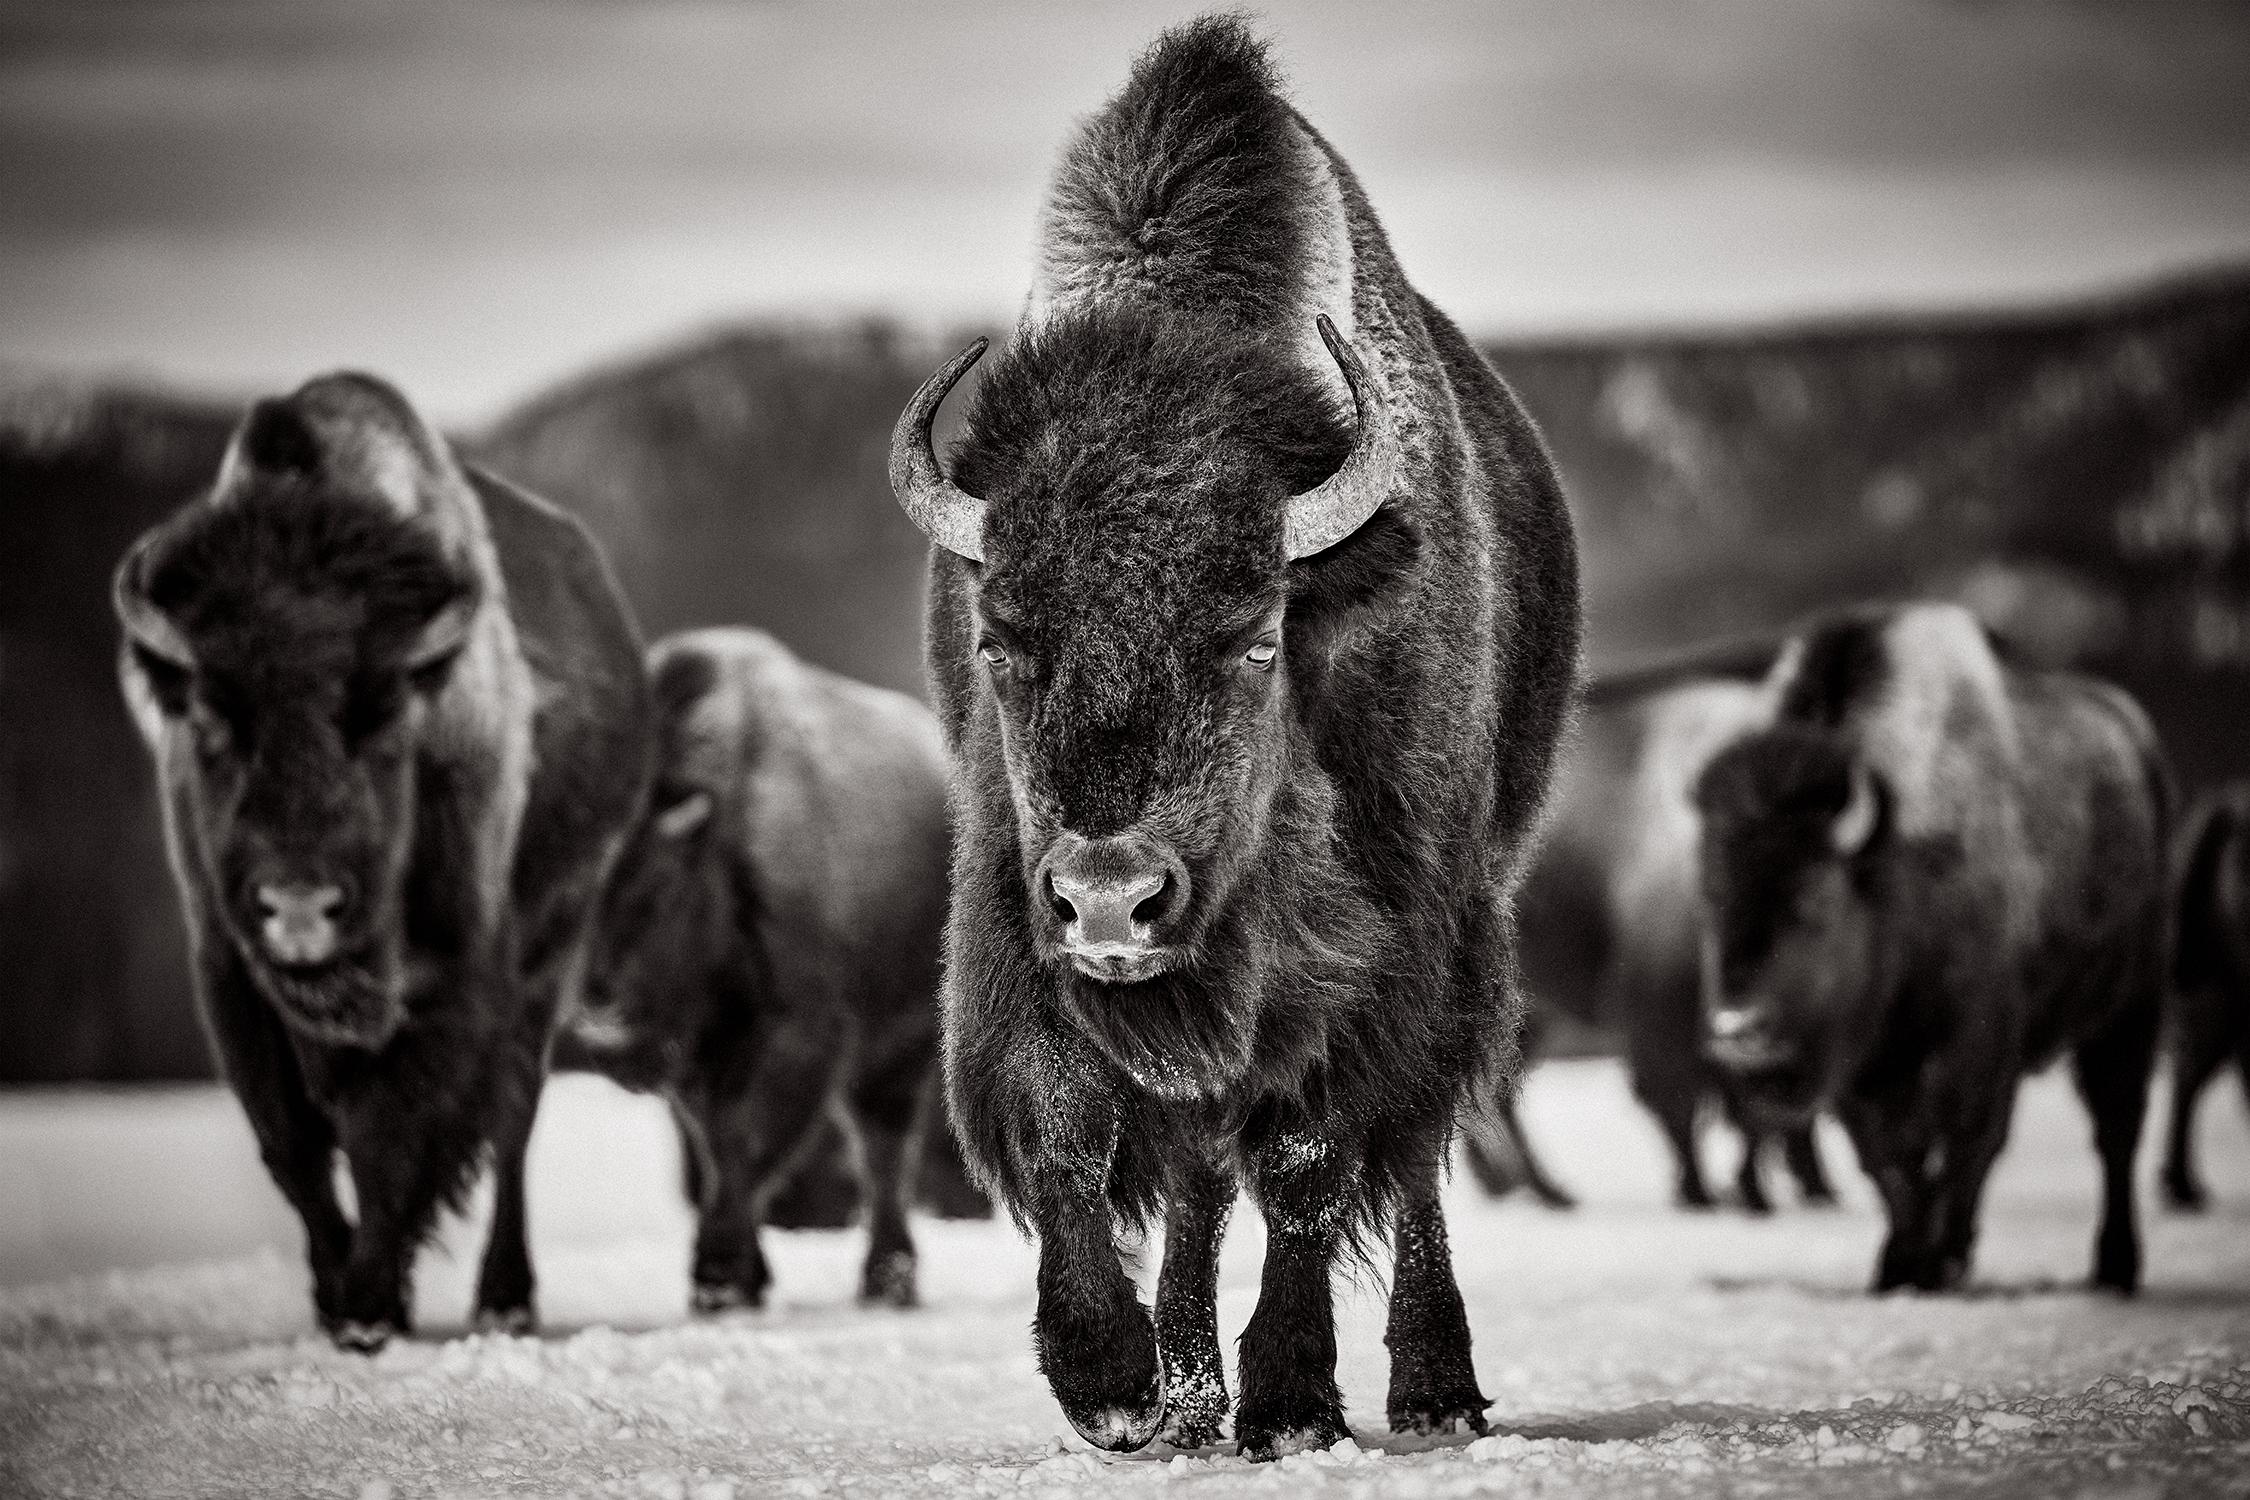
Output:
x=947 y=514
x=1855 y=825
x=1340 y=504
x=151 y=629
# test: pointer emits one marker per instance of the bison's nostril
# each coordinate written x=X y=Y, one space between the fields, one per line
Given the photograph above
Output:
x=298 y=901
x=1152 y=907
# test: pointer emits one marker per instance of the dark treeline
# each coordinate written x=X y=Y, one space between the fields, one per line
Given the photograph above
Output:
x=2080 y=477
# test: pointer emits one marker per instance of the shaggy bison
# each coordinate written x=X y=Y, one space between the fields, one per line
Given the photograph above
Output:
x=1929 y=875
x=2210 y=971
x=399 y=725
x=1610 y=922
x=1254 y=702
x=766 y=952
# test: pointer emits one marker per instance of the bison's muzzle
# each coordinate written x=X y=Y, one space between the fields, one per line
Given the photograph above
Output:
x=1116 y=900
x=298 y=920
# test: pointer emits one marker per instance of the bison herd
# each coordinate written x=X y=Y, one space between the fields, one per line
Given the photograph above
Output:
x=1253 y=635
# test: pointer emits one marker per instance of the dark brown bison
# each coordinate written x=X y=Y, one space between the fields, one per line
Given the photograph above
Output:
x=1254 y=703
x=1932 y=873
x=2210 y=971
x=766 y=953
x=1610 y=921
x=399 y=725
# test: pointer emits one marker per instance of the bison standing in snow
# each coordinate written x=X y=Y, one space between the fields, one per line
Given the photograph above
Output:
x=1610 y=913
x=399 y=723
x=2210 y=971
x=1254 y=702
x=1932 y=873
x=766 y=953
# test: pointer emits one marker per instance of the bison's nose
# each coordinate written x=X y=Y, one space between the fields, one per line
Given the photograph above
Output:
x=300 y=920
x=1112 y=894
x=1745 y=1037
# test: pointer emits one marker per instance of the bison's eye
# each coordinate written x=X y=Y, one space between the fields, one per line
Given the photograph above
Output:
x=1262 y=653
x=995 y=655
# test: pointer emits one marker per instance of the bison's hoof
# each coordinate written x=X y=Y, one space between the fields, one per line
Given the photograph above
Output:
x=2185 y=1194
x=1262 y=1443
x=888 y=1280
x=1443 y=1414
x=1120 y=1429
x=1195 y=1405
x=506 y=1322
x=712 y=1297
x=363 y=1338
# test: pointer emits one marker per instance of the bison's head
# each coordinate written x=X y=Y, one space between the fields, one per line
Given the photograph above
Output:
x=284 y=642
x=664 y=932
x=1792 y=828
x=1129 y=511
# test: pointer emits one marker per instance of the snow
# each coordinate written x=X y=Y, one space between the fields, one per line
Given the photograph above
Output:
x=155 y=1337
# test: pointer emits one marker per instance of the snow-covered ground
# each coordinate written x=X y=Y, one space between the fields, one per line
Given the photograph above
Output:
x=155 y=1337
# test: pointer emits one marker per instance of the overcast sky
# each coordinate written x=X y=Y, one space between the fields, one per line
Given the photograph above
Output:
x=481 y=196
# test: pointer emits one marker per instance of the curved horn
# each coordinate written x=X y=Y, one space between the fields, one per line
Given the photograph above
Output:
x=1340 y=504
x=150 y=627
x=1855 y=825
x=947 y=514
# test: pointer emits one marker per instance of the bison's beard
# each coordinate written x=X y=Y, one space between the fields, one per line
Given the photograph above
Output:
x=1256 y=1003
x=358 y=1000
x=1185 y=1034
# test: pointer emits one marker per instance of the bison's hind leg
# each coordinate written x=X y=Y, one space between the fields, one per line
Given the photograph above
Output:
x=887 y=1108
x=2112 y=1071
x=1433 y=1380
x=2200 y=1044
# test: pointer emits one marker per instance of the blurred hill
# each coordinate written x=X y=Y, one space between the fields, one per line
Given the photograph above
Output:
x=95 y=974
x=2080 y=476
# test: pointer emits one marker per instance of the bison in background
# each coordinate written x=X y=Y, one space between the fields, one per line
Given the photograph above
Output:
x=399 y=725
x=1610 y=924
x=1254 y=706
x=1931 y=874
x=2210 y=971
x=766 y=953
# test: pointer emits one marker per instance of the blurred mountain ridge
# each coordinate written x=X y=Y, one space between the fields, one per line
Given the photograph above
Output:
x=2080 y=475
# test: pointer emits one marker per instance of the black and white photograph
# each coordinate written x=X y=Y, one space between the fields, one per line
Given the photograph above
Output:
x=857 y=748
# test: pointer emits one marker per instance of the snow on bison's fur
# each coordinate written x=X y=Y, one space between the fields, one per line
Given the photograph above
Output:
x=1254 y=706
x=399 y=724
x=1934 y=872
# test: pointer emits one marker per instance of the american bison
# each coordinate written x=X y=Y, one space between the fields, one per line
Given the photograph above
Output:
x=2210 y=971
x=766 y=950
x=1254 y=647
x=1932 y=873
x=399 y=725
x=1609 y=914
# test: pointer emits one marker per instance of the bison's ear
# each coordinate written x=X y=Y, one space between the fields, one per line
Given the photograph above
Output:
x=1862 y=813
x=678 y=819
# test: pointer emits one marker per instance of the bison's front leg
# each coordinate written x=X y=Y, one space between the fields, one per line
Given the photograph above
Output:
x=295 y=1140
x=1433 y=1381
x=1187 y=1312
x=1096 y=1345
x=505 y=1282
x=1289 y=1398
